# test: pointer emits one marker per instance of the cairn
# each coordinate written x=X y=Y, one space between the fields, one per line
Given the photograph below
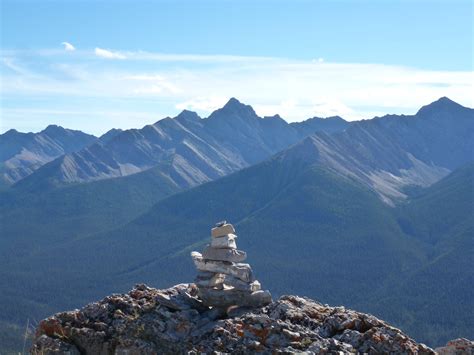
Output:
x=223 y=280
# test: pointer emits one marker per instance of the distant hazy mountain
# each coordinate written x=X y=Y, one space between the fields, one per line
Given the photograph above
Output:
x=196 y=150
x=329 y=125
x=391 y=153
x=23 y=153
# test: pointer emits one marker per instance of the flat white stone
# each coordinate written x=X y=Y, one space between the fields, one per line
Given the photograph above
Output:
x=222 y=230
x=241 y=285
x=214 y=281
x=239 y=270
x=230 y=255
x=225 y=242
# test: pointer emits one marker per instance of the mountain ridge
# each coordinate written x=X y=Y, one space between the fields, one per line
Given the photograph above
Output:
x=23 y=153
x=229 y=139
x=412 y=149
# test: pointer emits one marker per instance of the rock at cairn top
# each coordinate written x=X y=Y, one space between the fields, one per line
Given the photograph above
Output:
x=222 y=229
x=223 y=280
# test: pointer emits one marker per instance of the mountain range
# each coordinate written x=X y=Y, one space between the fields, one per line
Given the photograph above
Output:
x=377 y=215
x=195 y=150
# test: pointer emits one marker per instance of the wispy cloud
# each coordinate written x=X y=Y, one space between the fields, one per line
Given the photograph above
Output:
x=167 y=83
x=203 y=103
x=68 y=46
x=105 y=53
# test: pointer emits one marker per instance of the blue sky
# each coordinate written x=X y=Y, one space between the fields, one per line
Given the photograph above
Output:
x=94 y=65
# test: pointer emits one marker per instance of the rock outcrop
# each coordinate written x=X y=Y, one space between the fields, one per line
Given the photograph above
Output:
x=460 y=346
x=176 y=321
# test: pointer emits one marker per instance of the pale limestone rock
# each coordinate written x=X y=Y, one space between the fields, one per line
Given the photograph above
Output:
x=240 y=270
x=222 y=230
x=458 y=346
x=241 y=285
x=230 y=255
x=226 y=242
x=215 y=280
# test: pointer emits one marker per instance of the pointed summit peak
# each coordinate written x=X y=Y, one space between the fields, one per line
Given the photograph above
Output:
x=442 y=103
x=11 y=131
x=234 y=108
x=188 y=115
x=233 y=102
x=54 y=129
x=235 y=105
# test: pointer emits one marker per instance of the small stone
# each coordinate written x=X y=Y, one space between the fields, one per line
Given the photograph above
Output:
x=230 y=255
x=241 y=271
x=226 y=242
x=214 y=281
x=221 y=223
x=222 y=230
x=241 y=285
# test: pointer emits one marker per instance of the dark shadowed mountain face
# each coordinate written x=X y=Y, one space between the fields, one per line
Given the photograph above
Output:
x=196 y=150
x=23 y=153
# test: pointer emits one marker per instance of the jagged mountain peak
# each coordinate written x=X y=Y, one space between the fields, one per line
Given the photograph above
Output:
x=234 y=108
x=10 y=133
x=54 y=129
x=233 y=102
x=442 y=104
x=188 y=115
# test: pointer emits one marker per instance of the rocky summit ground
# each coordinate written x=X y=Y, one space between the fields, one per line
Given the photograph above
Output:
x=174 y=321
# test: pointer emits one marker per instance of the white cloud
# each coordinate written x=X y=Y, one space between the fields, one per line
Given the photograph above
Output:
x=295 y=89
x=205 y=104
x=68 y=46
x=327 y=107
x=155 y=84
x=104 y=53
x=145 y=77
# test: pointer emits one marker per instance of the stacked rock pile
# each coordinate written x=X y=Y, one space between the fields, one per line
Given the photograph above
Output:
x=223 y=280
